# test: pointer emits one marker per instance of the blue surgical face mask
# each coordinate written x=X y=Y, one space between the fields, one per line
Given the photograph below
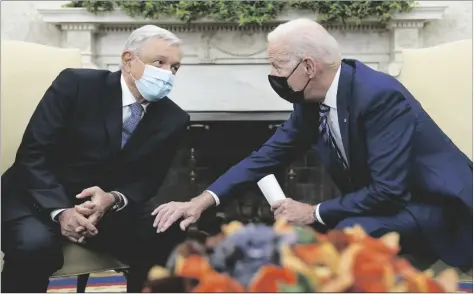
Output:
x=155 y=82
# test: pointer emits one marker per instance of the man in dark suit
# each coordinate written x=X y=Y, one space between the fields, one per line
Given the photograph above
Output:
x=396 y=169
x=96 y=149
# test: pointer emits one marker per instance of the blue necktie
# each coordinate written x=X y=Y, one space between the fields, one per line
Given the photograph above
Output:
x=326 y=133
x=131 y=123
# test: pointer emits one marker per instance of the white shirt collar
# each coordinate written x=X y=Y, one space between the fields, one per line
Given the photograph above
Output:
x=331 y=96
x=127 y=96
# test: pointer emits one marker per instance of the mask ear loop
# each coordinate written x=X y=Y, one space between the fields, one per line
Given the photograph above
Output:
x=294 y=69
x=144 y=66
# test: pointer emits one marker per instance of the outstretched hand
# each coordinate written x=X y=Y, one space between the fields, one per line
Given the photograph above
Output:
x=167 y=214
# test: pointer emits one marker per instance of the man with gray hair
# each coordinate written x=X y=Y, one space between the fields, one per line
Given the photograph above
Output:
x=95 y=151
x=396 y=169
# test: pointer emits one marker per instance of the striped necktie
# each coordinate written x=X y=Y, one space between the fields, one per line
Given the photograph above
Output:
x=131 y=123
x=326 y=134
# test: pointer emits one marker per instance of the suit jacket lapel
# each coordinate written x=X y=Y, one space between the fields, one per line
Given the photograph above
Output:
x=112 y=108
x=344 y=92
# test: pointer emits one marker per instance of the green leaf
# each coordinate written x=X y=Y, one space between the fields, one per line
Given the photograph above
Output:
x=285 y=288
x=305 y=235
x=250 y=12
x=302 y=286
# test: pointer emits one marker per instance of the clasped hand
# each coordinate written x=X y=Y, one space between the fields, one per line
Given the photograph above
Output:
x=79 y=222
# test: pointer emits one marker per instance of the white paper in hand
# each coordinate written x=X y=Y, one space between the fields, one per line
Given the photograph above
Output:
x=271 y=189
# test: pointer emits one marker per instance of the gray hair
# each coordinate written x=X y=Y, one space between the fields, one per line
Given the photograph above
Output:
x=140 y=35
x=305 y=37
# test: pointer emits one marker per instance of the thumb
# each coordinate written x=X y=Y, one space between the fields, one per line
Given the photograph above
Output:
x=186 y=222
x=276 y=204
x=86 y=193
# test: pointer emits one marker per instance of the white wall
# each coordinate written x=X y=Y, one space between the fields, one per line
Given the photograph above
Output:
x=456 y=24
x=20 y=21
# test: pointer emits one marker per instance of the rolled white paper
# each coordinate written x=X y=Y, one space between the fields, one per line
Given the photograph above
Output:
x=271 y=189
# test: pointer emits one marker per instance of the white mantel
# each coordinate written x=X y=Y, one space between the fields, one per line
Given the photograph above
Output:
x=225 y=66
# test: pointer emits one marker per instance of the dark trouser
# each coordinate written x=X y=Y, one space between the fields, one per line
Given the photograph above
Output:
x=32 y=248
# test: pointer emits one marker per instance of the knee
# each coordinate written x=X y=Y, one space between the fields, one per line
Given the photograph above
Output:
x=37 y=249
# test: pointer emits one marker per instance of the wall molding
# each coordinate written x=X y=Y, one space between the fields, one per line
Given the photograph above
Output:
x=225 y=66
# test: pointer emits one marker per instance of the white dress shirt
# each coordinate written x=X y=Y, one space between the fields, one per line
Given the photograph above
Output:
x=333 y=122
x=127 y=100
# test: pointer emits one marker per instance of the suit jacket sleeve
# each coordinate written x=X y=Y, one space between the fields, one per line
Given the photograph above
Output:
x=44 y=129
x=390 y=125
x=277 y=152
x=141 y=190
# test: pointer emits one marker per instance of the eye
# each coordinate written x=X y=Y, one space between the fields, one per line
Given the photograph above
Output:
x=158 y=63
x=174 y=68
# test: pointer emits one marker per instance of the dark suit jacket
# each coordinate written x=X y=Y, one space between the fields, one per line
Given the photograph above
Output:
x=399 y=159
x=73 y=141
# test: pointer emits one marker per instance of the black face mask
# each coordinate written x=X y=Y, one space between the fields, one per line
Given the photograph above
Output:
x=281 y=87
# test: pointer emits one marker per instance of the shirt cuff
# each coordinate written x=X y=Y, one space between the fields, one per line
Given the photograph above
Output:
x=318 y=217
x=55 y=213
x=216 y=199
x=125 y=200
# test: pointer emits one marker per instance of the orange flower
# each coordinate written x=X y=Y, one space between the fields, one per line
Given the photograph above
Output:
x=376 y=245
x=322 y=253
x=339 y=239
x=373 y=271
x=416 y=281
x=214 y=282
x=269 y=277
x=194 y=266
x=309 y=253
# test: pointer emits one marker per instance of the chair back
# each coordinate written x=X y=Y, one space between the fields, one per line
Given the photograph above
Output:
x=27 y=70
x=440 y=78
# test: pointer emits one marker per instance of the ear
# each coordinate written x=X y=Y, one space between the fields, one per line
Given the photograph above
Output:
x=127 y=57
x=310 y=66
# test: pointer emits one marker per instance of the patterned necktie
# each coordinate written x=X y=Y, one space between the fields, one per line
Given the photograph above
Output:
x=131 y=123
x=326 y=133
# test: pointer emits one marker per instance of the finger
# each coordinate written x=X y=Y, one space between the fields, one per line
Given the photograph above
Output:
x=185 y=223
x=84 y=210
x=82 y=221
x=277 y=204
x=279 y=211
x=72 y=239
x=82 y=240
x=160 y=215
x=171 y=220
x=165 y=217
x=72 y=234
x=87 y=192
x=88 y=204
x=159 y=208
x=83 y=232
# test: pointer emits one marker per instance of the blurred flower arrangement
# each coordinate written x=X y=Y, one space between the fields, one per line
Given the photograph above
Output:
x=285 y=258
